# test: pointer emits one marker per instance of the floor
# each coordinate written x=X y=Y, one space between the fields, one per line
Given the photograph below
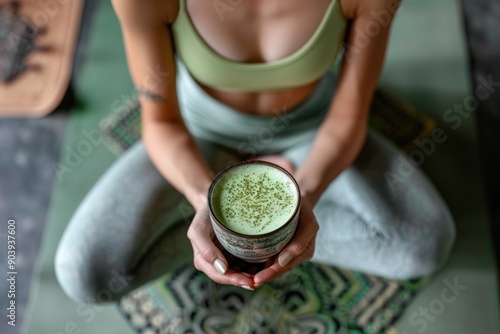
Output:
x=482 y=25
x=431 y=72
x=30 y=150
x=31 y=147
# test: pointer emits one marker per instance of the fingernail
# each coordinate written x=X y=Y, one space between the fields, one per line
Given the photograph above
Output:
x=246 y=287
x=285 y=258
x=220 y=266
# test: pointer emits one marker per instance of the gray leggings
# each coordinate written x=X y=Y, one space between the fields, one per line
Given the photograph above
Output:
x=131 y=228
x=380 y=216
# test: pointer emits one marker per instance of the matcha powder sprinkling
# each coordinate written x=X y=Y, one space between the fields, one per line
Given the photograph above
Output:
x=255 y=200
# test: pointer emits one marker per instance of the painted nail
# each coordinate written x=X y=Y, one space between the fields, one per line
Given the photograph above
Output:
x=246 y=287
x=220 y=266
x=285 y=258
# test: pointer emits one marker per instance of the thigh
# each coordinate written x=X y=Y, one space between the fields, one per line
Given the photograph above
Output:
x=382 y=214
x=386 y=189
x=128 y=222
x=382 y=185
x=124 y=211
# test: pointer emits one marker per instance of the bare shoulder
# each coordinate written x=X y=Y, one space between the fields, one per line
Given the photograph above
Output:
x=356 y=8
x=130 y=11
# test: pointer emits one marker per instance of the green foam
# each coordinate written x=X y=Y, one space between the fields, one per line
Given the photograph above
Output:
x=254 y=199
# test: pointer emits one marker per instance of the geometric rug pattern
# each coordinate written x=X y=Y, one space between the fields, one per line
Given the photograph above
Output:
x=312 y=298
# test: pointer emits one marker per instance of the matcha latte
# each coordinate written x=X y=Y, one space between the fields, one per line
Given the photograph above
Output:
x=254 y=209
x=254 y=199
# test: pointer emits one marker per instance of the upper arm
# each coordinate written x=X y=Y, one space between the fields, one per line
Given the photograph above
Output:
x=364 y=52
x=150 y=56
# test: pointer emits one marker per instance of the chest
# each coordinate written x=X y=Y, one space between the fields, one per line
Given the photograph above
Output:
x=256 y=31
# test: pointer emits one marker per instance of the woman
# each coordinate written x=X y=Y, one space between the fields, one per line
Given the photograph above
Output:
x=221 y=81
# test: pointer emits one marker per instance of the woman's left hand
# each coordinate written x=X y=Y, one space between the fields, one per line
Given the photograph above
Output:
x=298 y=250
x=301 y=247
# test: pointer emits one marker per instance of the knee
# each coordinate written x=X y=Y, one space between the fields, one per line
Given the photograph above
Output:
x=424 y=254
x=84 y=279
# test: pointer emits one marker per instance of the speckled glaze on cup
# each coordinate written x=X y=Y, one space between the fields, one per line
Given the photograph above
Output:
x=254 y=248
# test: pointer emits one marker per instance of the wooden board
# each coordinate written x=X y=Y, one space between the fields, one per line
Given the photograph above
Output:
x=40 y=88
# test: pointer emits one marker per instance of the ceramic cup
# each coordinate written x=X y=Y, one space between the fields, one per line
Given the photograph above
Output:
x=253 y=246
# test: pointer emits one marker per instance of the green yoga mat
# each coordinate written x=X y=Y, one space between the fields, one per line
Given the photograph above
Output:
x=104 y=79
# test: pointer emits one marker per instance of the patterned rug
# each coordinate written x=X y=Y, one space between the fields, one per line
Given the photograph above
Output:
x=313 y=298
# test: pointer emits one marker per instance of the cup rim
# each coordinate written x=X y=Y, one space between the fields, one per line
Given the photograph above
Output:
x=249 y=162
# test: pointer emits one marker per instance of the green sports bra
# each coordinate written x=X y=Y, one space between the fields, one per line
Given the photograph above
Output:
x=304 y=66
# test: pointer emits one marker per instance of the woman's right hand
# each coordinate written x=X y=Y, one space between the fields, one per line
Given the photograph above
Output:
x=208 y=258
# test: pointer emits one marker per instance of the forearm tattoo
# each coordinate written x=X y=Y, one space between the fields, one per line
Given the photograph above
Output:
x=148 y=94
